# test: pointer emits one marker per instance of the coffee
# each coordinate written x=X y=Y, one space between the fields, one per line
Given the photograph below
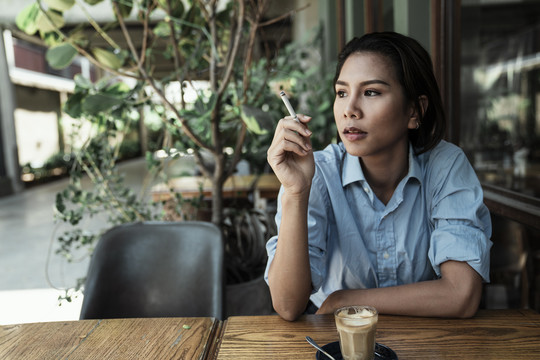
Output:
x=356 y=326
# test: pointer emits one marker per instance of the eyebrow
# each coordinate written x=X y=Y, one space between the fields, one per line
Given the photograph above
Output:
x=364 y=83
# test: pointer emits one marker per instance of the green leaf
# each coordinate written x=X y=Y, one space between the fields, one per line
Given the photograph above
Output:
x=60 y=5
x=256 y=120
x=79 y=38
x=252 y=124
x=51 y=39
x=94 y=104
x=93 y=2
x=61 y=56
x=108 y=58
x=118 y=89
x=176 y=10
x=82 y=82
x=49 y=21
x=162 y=29
x=60 y=206
x=125 y=7
x=26 y=19
x=73 y=105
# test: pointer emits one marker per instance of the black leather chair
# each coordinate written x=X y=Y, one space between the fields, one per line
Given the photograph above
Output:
x=156 y=269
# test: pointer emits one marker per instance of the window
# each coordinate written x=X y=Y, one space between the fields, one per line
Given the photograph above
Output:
x=500 y=92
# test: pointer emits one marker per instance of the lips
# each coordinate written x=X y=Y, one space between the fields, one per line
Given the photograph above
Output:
x=353 y=130
x=353 y=133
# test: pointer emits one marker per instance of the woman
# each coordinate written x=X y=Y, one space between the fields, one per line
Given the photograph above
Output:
x=392 y=216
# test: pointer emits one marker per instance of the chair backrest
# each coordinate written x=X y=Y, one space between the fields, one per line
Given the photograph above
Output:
x=156 y=269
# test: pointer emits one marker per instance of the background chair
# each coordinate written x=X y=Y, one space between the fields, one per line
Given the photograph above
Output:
x=156 y=269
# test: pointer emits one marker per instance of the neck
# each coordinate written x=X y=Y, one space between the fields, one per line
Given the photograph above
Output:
x=384 y=173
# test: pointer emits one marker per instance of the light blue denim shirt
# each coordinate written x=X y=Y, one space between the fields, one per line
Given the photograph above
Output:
x=356 y=242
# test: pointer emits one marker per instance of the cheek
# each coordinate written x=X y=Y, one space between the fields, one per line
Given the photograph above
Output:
x=338 y=111
x=336 y=115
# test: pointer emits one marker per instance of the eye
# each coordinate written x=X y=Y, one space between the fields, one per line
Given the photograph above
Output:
x=340 y=94
x=371 y=93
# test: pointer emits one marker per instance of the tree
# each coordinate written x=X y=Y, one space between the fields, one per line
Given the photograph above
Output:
x=196 y=39
x=151 y=47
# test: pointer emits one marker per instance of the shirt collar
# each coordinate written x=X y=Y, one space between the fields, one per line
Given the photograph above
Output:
x=352 y=171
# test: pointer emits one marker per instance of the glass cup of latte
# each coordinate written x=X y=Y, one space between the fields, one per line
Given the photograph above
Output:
x=356 y=326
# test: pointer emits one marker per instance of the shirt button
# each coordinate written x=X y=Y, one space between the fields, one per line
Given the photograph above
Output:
x=386 y=255
x=366 y=189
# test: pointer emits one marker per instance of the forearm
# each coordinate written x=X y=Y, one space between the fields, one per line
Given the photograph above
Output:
x=289 y=276
x=456 y=294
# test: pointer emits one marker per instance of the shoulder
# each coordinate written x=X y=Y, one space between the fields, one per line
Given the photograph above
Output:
x=443 y=151
x=444 y=159
x=448 y=171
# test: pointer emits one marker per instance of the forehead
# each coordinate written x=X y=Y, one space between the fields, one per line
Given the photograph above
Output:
x=363 y=66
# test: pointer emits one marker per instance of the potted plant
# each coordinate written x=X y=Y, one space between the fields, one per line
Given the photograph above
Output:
x=158 y=46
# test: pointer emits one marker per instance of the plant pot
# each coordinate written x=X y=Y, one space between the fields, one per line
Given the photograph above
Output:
x=248 y=298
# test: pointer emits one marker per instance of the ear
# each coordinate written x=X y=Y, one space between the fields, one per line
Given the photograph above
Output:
x=414 y=119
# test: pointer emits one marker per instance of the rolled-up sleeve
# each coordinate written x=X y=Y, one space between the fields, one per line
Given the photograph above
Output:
x=461 y=222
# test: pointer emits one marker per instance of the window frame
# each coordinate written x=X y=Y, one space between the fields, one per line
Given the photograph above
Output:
x=446 y=52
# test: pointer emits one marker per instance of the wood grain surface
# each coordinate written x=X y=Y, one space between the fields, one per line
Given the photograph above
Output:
x=163 y=338
x=491 y=334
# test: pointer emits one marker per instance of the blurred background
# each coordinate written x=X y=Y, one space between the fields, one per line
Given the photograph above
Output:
x=486 y=56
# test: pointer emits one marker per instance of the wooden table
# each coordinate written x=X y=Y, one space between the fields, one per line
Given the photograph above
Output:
x=265 y=186
x=500 y=334
x=166 y=338
x=492 y=334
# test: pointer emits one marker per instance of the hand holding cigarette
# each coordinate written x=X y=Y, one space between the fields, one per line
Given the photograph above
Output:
x=291 y=155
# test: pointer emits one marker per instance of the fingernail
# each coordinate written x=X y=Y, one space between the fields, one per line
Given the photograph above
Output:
x=307 y=132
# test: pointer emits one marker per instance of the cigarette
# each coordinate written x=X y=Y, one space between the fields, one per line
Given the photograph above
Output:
x=288 y=105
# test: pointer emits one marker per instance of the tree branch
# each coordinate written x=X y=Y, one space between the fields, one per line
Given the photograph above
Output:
x=236 y=44
x=177 y=56
x=185 y=126
x=249 y=50
x=284 y=16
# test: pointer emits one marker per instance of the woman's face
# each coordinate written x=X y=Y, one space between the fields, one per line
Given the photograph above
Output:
x=370 y=110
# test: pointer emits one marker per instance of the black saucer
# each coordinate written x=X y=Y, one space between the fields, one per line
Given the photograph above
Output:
x=381 y=352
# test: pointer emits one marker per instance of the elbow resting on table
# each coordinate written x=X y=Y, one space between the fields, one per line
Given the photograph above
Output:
x=467 y=307
x=466 y=302
x=289 y=316
x=287 y=311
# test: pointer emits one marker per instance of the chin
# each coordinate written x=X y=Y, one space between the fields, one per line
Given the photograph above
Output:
x=354 y=149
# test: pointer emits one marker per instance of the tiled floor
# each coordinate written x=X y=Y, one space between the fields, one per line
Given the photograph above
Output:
x=30 y=270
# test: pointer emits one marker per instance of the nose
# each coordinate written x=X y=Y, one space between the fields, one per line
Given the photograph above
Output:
x=352 y=109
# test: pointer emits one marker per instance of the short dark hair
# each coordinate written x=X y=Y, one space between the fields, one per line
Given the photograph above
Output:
x=414 y=70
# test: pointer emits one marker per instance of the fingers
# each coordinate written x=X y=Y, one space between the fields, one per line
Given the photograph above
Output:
x=290 y=137
x=304 y=120
x=298 y=126
x=290 y=146
x=294 y=136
